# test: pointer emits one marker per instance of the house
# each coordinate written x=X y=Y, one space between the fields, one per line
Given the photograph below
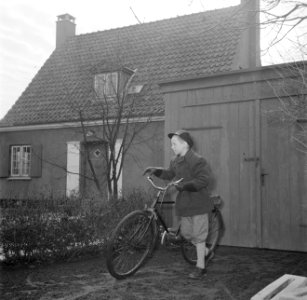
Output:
x=41 y=141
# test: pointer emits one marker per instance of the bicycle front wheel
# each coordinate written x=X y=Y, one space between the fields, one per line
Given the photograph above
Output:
x=188 y=249
x=130 y=244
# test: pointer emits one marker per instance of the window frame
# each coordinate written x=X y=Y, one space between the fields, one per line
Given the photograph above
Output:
x=20 y=167
x=106 y=84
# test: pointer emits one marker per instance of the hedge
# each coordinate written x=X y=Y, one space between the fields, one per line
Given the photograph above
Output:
x=50 y=230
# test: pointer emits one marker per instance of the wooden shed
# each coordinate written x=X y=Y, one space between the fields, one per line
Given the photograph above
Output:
x=236 y=121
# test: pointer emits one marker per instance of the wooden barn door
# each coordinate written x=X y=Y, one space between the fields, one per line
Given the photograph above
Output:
x=284 y=183
x=226 y=135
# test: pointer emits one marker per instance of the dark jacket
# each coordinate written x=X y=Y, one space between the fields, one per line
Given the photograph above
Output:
x=194 y=191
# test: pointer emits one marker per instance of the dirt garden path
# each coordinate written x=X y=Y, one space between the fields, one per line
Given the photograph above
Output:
x=235 y=273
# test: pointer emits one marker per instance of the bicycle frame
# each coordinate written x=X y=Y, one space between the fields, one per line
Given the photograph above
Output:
x=160 y=200
x=217 y=202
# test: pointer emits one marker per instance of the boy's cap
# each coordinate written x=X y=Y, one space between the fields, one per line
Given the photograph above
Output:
x=183 y=135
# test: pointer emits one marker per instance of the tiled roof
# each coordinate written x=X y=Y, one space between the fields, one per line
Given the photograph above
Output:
x=186 y=46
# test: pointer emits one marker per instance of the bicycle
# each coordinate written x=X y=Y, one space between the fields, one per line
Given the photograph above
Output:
x=136 y=235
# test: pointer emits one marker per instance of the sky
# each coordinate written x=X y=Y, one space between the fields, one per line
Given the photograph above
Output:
x=27 y=30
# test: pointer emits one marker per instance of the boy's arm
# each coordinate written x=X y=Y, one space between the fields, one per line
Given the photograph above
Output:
x=202 y=177
x=165 y=174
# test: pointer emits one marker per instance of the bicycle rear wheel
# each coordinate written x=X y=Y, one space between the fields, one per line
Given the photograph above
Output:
x=188 y=249
x=130 y=244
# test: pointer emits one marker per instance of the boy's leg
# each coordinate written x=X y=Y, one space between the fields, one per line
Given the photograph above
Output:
x=186 y=228
x=195 y=229
x=201 y=252
x=200 y=232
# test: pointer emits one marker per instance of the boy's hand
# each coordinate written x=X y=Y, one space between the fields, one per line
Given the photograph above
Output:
x=178 y=186
x=189 y=187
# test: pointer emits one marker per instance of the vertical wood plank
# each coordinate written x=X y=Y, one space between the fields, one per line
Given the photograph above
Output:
x=284 y=187
x=258 y=206
x=234 y=170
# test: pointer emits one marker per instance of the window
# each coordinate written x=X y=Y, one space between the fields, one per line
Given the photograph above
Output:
x=20 y=161
x=106 y=84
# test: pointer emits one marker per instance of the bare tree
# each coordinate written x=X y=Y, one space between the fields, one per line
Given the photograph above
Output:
x=291 y=92
x=283 y=17
x=115 y=103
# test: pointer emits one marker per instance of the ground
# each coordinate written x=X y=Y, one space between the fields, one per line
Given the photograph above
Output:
x=234 y=273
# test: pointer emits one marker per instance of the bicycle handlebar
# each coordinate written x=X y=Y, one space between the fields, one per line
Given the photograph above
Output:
x=163 y=188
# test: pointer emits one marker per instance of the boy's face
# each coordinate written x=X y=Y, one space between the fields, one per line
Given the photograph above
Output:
x=179 y=146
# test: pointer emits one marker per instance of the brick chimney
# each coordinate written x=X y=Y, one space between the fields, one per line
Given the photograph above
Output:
x=65 y=27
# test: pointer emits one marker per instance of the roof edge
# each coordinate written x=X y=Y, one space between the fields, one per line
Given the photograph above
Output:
x=233 y=72
x=66 y=125
x=160 y=20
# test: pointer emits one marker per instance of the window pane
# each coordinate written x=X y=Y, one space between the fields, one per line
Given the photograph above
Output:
x=108 y=86
x=99 y=84
x=111 y=84
x=15 y=155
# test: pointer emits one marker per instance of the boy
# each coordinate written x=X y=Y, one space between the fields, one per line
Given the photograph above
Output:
x=193 y=203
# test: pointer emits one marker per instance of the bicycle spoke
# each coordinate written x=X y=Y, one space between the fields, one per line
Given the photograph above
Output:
x=123 y=263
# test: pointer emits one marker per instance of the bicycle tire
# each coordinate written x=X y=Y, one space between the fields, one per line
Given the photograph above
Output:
x=188 y=250
x=130 y=244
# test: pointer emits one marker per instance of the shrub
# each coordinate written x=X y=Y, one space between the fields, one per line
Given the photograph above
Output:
x=48 y=230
